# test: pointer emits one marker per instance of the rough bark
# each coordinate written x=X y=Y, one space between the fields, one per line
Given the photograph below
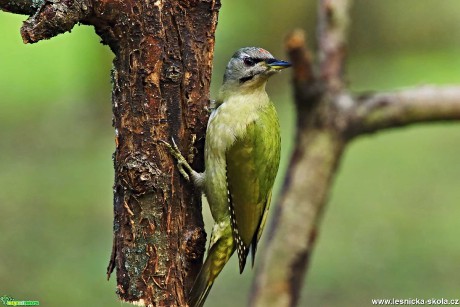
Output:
x=161 y=76
x=26 y=7
x=161 y=83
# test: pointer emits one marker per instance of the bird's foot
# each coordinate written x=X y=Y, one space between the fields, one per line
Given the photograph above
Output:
x=182 y=164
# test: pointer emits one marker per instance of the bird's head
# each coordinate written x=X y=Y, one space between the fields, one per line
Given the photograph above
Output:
x=251 y=67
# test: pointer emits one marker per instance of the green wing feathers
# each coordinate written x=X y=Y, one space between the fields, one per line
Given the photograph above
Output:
x=252 y=164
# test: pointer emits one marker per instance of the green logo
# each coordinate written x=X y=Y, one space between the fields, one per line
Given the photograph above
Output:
x=9 y=301
x=6 y=299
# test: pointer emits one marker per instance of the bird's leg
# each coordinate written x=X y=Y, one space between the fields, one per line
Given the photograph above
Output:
x=182 y=164
x=184 y=168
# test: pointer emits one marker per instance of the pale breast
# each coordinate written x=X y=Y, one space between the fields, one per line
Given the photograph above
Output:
x=230 y=121
x=226 y=123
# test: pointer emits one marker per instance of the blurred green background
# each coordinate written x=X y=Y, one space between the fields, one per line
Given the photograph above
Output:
x=390 y=229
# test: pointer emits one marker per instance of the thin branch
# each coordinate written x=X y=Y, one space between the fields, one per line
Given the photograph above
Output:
x=307 y=89
x=23 y=7
x=301 y=58
x=390 y=110
x=332 y=26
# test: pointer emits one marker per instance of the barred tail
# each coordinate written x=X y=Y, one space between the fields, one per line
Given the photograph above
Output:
x=218 y=256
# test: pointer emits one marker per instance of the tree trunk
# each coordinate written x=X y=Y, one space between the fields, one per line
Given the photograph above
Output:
x=161 y=80
x=161 y=77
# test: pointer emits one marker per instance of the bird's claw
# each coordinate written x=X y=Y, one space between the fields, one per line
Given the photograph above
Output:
x=182 y=164
x=182 y=171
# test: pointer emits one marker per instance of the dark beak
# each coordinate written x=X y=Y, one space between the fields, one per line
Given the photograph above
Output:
x=278 y=64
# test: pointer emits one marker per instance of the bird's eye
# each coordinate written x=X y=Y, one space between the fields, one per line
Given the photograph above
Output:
x=249 y=61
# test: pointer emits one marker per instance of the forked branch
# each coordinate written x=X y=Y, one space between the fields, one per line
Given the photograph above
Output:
x=328 y=118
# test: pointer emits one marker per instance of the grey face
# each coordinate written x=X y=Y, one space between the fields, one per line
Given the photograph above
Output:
x=251 y=65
